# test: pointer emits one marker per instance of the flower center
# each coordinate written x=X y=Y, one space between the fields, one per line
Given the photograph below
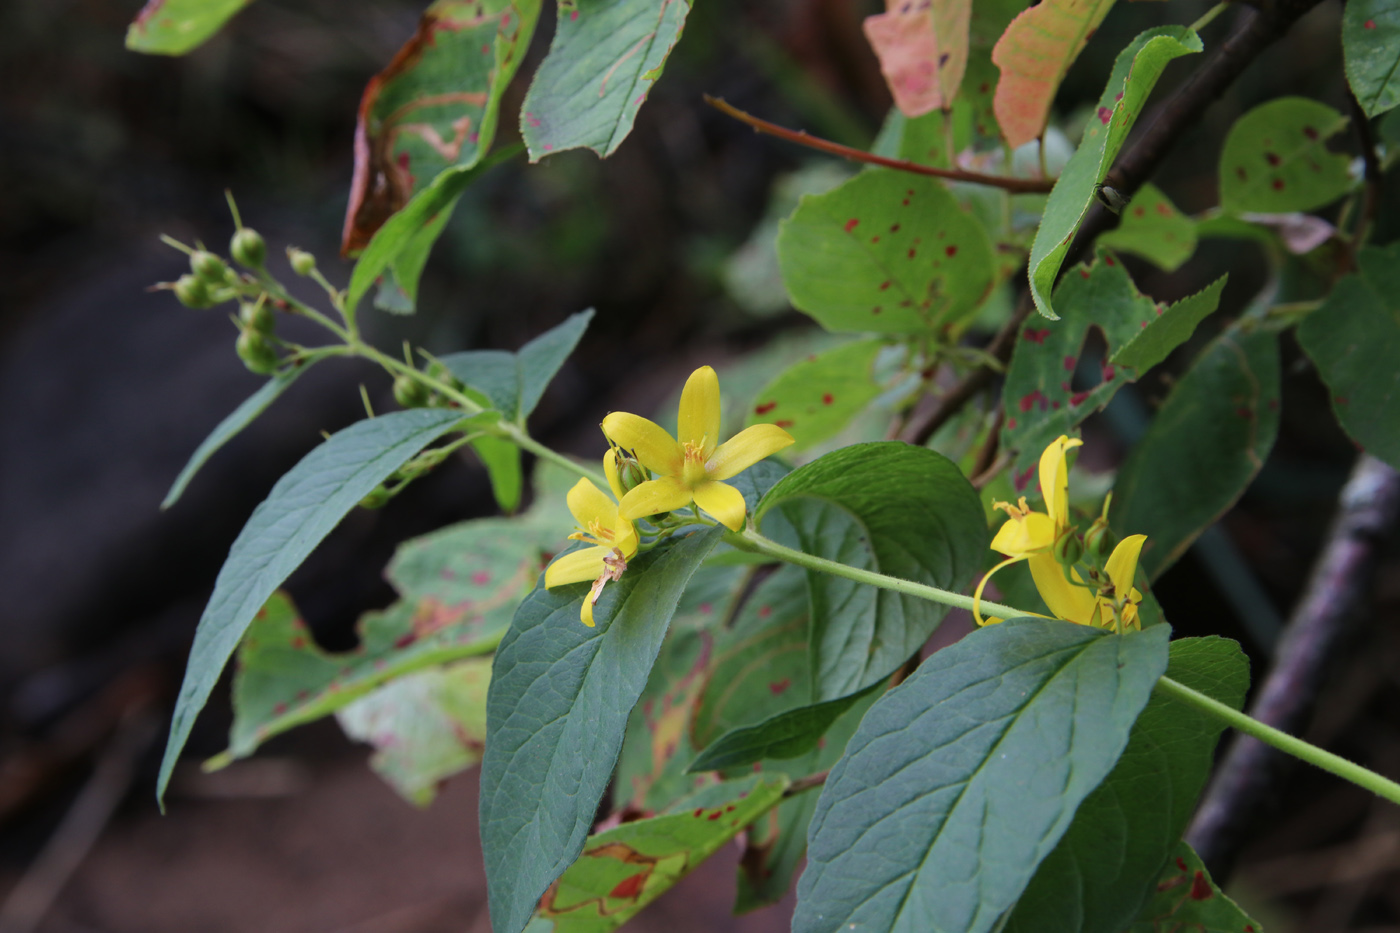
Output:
x=1018 y=511
x=693 y=471
x=595 y=533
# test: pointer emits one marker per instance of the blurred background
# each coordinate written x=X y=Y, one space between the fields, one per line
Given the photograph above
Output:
x=107 y=387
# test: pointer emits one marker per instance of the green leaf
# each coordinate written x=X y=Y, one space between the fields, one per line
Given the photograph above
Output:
x=900 y=510
x=1040 y=394
x=407 y=267
x=961 y=780
x=237 y=420
x=502 y=461
x=887 y=252
x=302 y=509
x=434 y=107
x=560 y=697
x=425 y=727
x=624 y=869
x=1187 y=899
x=1371 y=45
x=605 y=57
x=515 y=382
x=1105 y=868
x=1154 y=229
x=1276 y=158
x=1354 y=341
x=1203 y=449
x=1135 y=73
x=174 y=27
x=818 y=396
x=788 y=734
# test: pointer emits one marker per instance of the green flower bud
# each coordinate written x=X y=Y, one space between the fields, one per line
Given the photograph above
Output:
x=409 y=392
x=378 y=497
x=209 y=267
x=630 y=473
x=256 y=353
x=1068 y=549
x=247 y=248
x=303 y=263
x=193 y=292
x=257 y=316
x=1099 y=541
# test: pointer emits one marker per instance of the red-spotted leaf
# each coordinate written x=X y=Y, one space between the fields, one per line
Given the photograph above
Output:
x=1188 y=900
x=434 y=107
x=1276 y=158
x=817 y=397
x=922 y=47
x=1034 y=53
x=1371 y=44
x=886 y=252
x=1154 y=229
x=174 y=27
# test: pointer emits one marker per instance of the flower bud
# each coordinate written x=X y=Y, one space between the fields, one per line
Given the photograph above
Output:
x=256 y=353
x=193 y=292
x=378 y=497
x=409 y=392
x=303 y=263
x=257 y=316
x=247 y=248
x=209 y=267
x=1099 y=541
x=630 y=473
x=1068 y=549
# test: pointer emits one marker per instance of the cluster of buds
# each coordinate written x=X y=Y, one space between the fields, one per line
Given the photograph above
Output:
x=422 y=464
x=411 y=392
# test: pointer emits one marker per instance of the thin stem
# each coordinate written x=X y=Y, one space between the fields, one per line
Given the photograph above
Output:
x=803 y=138
x=803 y=784
x=1209 y=15
x=1292 y=745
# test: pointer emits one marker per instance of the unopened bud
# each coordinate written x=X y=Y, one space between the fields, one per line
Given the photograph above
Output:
x=256 y=353
x=378 y=497
x=409 y=392
x=630 y=473
x=1068 y=549
x=258 y=316
x=303 y=263
x=1099 y=541
x=247 y=248
x=209 y=267
x=193 y=292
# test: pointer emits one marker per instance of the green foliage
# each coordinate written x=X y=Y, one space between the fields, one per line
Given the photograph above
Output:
x=1154 y=229
x=788 y=734
x=1371 y=41
x=815 y=398
x=1276 y=158
x=174 y=27
x=514 y=383
x=960 y=781
x=1187 y=899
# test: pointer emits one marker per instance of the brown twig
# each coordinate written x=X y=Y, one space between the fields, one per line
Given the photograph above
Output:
x=806 y=783
x=1329 y=613
x=1371 y=159
x=803 y=138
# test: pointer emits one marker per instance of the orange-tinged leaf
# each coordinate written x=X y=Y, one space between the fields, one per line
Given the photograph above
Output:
x=1033 y=54
x=922 y=47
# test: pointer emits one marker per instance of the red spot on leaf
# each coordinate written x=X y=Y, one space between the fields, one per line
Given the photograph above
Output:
x=1036 y=336
x=905 y=202
x=573 y=16
x=1163 y=209
x=1107 y=372
x=713 y=816
x=765 y=408
x=1109 y=260
x=765 y=611
x=876 y=310
x=778 y=686
x=1181 y=863
x=280 y=708
x=827 y=398
x=1070 y=363
x=951 y=251
x=1105 y=115
x=1369 y=24
x=1083 y=273
x=1244 y=412
x=1023 y=479
x=911 y=252
x=1011 y=424
x=1239 y=171
x=706 y=609
x=875 y=239
x=1272 y=158
x=785 y=423
x=298 y=642
x=1310 y=132
x=404 y=640
x=481 y=577
x=851 y=224
x=894 y=228
x=1341 y=400
x=631 y=886
x=1200 y=888
x=885 y=284
x=1277 y=184
x=1140 y=211
x=1078 y=398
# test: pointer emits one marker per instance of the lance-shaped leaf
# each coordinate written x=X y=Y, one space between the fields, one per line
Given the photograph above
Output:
x=962 y=779
x=624 y=869
x=1033 y=54
x=1354 y=340
x=1106 y=867
x=302 y=509
x=228 y=429
x=922 y=47
x=815 y=398
x=1204 y=447
x=605 y=57
x=1135 y=73
x=1276 y=158
x=1371 y=45
x=434 y=107
x=174 y=27
x=514 y=383
x=558 y=707
x=1154 y=229
x=886 y=252
x=1043 y=395
x=904 y=511
x=1187 y=899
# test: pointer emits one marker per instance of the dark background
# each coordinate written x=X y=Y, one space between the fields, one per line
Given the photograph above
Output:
x=107 y=387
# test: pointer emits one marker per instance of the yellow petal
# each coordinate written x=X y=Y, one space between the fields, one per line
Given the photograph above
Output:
x=590 y=504
x=659 y=495
x=1122 y=564
x=585 y=613
x=610 y=471
x=578 y=566
x=723 y=502
x=745 y=449
x=653 y=444
x=1066 y=601
x=1021 y=537
x=698 y=421
x=1054 y=479
x=977 y=596
x=625 y=539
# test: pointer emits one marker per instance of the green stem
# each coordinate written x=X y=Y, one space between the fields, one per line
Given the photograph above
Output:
x=1292 y=745
x=1209 y=15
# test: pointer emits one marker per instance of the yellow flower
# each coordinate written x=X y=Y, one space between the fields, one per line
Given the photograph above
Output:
x=691 y=468
x=614 y=539
x=1032 y=536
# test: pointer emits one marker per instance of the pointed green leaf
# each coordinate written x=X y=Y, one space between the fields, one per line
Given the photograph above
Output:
x=1354 y=341
x=237 y=420
x=515 y=382
x=1203 y=449
x=1187 y=899
x=559 y=702
x=816 y=397
x=174 y=27
x=605 y=57
x=1135 y=73
x=1169 y=330
x=1105 y=868
x=1154 y=229
x=502 y=461
x=785 y=735
x=962 y=779
x=900 y=510
x=1276 y=158
x=302 y=509
x=887 y=252
x=1371 y=45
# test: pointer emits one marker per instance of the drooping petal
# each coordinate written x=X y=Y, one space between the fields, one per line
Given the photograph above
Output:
x=585 y=613
x=723 y=502
x=611 y=472
x=745 y=449
x=662 y=494
x=625 y=538
x=1066 y=601
x=698 y=420
x=653 y=444
x=1054 y=479
x=578 y=566
x=590 y=504
x=1122 y=564
x=1021 y=537
x=977 y=595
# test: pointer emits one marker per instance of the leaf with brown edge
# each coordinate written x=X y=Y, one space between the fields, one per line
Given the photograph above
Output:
x=434 y=107
x=922 y=47
x=1033 y=54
